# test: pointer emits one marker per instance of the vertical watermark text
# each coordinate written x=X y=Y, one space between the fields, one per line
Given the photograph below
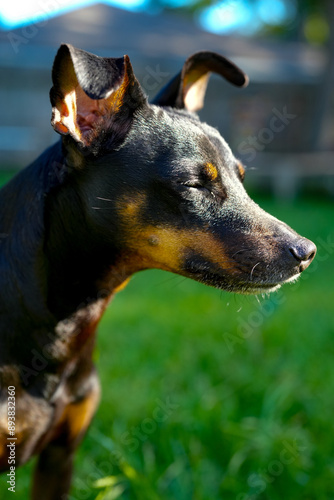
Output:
x=11 y=444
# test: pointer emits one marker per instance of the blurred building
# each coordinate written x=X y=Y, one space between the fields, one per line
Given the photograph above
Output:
x=272 y=125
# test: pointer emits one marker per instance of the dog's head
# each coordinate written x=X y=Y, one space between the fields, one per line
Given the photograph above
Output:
x=162 y=188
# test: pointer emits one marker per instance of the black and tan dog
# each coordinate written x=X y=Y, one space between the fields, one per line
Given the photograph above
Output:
x=130 y=186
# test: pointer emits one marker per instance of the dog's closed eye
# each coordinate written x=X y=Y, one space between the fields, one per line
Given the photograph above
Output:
x=206 y=181
x=196 y=184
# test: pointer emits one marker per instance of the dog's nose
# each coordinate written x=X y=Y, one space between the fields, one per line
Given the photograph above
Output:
x=303 y=251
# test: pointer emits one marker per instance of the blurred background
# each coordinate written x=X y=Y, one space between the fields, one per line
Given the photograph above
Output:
x=205 y=395
x=286 y=47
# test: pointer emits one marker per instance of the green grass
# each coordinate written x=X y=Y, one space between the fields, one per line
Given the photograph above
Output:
x=249 y=384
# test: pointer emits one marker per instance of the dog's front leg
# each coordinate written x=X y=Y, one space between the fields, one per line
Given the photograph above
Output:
x=52 y=478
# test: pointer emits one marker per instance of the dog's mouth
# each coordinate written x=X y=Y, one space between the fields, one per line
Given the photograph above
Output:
x=236 y=282
x=263 y=287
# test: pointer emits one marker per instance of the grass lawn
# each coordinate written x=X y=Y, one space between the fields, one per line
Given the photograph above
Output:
x=211 y=396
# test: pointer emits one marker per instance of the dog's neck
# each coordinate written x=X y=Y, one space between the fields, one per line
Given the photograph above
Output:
x=83 y=270
x=61 y=275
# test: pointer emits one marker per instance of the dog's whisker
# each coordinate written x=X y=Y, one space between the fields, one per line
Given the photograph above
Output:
x=104 y=199
x=252 y=271
x=240 y=251
x=103 y=208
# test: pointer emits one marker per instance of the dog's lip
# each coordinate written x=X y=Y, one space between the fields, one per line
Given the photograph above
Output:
x=259 y=288
x=267 y=287
x=223 y=282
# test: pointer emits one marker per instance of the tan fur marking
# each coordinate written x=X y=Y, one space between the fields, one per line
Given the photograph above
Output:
x=211 y=171
x=241 y=171
x=165 y=247
x=115 y=100
x=194 y=91
x=171 y=245
x=121 y=287
x=77 y=416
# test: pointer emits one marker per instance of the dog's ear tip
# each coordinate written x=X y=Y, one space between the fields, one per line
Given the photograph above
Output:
x=65 y=47
x=64 y=50
x=193 y=78
x=244 y=81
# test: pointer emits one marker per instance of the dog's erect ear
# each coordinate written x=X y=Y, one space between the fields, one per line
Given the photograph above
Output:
x=92 y=95
x=187 y=88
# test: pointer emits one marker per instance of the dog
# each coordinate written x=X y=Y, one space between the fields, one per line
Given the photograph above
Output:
x=129 y=186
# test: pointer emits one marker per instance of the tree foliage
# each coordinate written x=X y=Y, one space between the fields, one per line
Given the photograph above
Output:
x=310 y=21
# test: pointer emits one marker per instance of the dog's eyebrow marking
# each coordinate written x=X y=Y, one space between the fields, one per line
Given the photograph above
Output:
x=241 y=170
x=129 y=208
x=211 y=171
